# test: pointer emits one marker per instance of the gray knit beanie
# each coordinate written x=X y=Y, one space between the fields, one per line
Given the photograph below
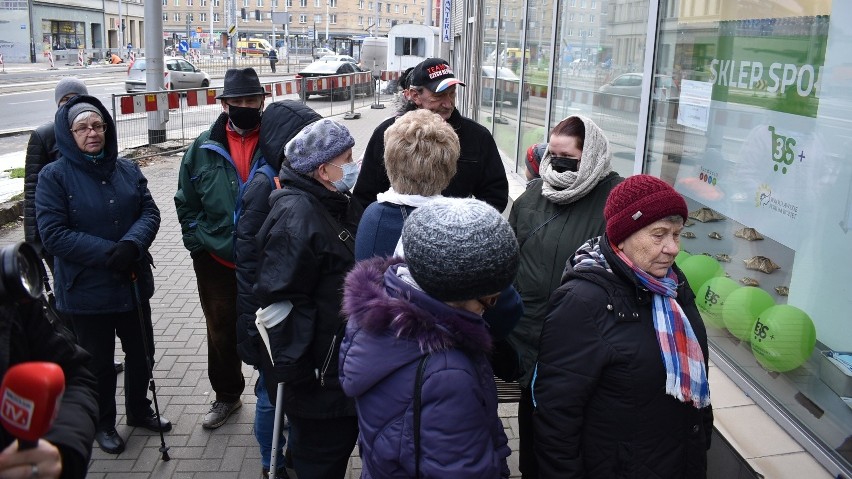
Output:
x=69 y=85
x=80 y=108
x=459 y=249
x=316 y=144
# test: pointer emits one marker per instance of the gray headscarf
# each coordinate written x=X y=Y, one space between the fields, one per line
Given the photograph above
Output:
x=569 y=186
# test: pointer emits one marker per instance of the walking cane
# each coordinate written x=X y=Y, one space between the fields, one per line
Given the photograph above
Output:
x=279 y=396
x=149 y=361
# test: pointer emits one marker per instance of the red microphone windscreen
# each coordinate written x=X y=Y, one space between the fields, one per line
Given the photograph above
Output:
x=29 y=399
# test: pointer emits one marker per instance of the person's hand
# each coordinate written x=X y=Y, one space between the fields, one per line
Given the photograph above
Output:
x=121 y=256
x=43 y=461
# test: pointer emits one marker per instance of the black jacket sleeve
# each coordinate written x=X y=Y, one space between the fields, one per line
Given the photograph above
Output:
x=41 y=150
x=73 y=431
x=571 y=359
x=373 y=178
x=254 y=210
x=493 y=186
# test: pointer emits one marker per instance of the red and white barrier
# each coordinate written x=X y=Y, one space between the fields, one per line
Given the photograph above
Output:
x=538 y=90
x=507 y=86
x=336 y=82
x=81 y=58
x=201 y=97
x=3 y=65
x=51 y=61
x=289 y=87
x=148 y=102
x=167 y=80
x=387 y=75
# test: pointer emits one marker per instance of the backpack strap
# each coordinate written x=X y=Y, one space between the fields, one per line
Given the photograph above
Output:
x=418 y=389
x=267 y=171
x=270 y=174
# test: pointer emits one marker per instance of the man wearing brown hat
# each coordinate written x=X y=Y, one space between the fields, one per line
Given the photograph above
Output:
x=480 y=172
x=211 y=176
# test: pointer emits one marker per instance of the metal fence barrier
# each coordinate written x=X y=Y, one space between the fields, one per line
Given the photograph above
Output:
x=189 y=112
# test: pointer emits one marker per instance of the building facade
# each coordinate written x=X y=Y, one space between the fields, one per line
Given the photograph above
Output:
x=308 y=22
x=33 y=31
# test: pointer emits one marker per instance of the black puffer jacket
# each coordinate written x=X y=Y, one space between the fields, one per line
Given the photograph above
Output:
x=302 y=260
x=41 y=150
x=480 y=172
x=281 y=121
x=601 y=407
x=545 y=251
x=26 y=334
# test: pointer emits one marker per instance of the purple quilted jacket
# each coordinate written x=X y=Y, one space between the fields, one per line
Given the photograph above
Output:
x=391 y=327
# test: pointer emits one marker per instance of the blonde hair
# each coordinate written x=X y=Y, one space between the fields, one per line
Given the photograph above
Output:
x=421 y=152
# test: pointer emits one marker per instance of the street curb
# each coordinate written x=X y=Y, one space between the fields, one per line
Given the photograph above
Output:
x=6 y=133
x=11 y=211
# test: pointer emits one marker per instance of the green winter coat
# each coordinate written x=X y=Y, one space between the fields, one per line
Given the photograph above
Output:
x=208 y=189
x=545 y=252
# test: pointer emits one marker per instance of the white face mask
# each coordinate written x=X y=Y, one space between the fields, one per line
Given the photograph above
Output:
x=350 y=175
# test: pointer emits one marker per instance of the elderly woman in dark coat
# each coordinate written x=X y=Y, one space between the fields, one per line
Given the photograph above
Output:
x=417 y=324
x=621 y=384
x=97 y=218
x=305 y=248
x=556 y=214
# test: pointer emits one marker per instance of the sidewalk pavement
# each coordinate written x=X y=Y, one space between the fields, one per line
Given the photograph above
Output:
x=180 y=373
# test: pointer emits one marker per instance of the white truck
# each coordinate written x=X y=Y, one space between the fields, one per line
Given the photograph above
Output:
x=374 y=55
x=410 y=44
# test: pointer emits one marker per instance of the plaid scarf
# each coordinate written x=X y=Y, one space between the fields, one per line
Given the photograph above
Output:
x=686 y=375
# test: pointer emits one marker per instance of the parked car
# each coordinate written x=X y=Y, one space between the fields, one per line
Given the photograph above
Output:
x=182 y=74
x=321 y=52
x=630 y=84
x=324 y=69
x=337 y=58
x=507 y=86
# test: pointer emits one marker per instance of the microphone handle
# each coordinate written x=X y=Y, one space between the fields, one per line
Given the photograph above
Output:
x=24 y=444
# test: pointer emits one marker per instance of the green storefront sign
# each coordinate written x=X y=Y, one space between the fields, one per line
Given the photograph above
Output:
x=774 y=64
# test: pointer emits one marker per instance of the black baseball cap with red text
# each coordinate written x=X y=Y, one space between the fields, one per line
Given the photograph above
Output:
x=434 y=74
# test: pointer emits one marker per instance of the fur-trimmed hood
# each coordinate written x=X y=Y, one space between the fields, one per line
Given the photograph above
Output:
x=391 y=324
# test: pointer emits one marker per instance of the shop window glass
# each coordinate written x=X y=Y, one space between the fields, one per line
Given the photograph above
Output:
x=750 y=121
x=67 y=35
x=497 y=76
x=598 y=73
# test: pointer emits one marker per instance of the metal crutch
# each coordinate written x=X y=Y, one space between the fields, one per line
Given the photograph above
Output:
x=149 y=361
x=279 y=399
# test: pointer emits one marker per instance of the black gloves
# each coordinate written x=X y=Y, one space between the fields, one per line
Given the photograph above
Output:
x=122 y=256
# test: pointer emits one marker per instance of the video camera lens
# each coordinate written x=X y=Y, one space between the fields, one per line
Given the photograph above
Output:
x=21 y=273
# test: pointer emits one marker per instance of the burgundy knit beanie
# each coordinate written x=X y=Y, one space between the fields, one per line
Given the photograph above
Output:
x=637 y=202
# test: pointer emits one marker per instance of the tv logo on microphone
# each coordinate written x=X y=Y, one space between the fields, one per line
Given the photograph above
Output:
x=16 y=410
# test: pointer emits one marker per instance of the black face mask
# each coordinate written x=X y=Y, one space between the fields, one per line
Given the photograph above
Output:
x=244 y=118
x=564 y=163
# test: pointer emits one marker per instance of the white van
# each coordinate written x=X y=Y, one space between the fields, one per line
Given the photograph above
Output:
x=374 y=54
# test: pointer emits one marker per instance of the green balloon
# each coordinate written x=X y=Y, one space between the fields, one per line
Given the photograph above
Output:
x=783 y=338
x=711 y=299
x=698 y=269
x=741 y=309
x=681 y=256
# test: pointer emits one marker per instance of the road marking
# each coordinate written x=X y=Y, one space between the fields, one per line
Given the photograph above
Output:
x=23 y=102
